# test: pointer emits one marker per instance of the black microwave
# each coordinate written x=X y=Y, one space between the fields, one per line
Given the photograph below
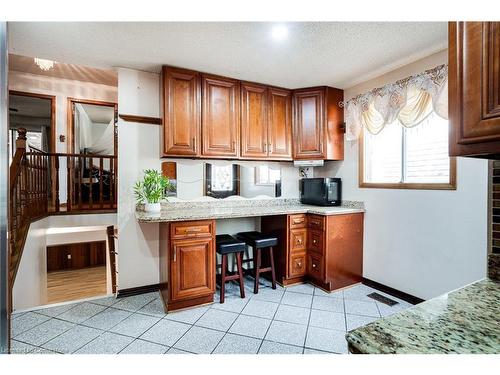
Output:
x=322 y=191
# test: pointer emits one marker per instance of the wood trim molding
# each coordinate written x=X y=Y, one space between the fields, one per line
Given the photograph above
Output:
x=452 y=185
x=393 y=292
x=141 y=119
x=137 y=290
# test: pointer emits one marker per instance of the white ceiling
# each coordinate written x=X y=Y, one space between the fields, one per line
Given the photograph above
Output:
x=339 y=54
x=68 y=71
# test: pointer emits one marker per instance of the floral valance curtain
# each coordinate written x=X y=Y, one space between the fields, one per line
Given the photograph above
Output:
x=409 y=101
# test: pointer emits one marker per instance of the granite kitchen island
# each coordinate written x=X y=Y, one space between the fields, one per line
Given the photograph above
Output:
x=463 y=321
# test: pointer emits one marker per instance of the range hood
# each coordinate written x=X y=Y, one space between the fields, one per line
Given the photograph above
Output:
x=308 y=163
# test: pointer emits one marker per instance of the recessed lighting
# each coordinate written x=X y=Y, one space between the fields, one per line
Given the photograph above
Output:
x=279 y=32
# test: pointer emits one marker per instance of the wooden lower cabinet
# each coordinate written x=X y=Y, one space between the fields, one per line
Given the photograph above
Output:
x=187 y=263
x=332 y=255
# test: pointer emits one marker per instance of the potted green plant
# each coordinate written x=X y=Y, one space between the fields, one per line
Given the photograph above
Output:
x=152 y=190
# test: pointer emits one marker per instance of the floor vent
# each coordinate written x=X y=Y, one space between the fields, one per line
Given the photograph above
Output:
x=382 y=299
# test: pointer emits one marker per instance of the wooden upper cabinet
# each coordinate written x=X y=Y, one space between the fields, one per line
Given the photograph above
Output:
x=220 y=116
x=181 y=112
x=318 y=124
x=474 y=88
x=308 y=126
x=280 y=123
x=254 y=134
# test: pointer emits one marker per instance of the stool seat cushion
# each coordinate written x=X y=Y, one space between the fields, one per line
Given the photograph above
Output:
x=258 y=240
x=226 y=244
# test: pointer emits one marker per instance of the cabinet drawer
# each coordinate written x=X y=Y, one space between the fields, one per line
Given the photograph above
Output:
x=315 y=266
x=297 y=265
x=316 y=222
x=191 y=229
x=315 y=241
x=298 y=239
x=297 y=221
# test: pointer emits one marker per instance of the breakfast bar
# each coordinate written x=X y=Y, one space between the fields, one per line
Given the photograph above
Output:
x=319 y=245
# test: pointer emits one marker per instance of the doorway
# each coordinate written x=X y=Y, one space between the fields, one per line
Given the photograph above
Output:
x=35 y=113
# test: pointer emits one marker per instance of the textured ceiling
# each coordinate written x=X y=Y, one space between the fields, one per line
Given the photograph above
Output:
x=340 y=54
x=68 y=71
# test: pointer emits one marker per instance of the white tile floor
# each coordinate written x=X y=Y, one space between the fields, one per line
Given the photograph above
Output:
x=294 y=320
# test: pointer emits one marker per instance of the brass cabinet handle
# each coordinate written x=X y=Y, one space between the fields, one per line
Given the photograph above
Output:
x=270 y=149
x=194 y=144
x=314 y=265
x=315 y=242
x=299 y=240
x=175 y=253
x=265 y=147
x=298 y=221
x=299 y=264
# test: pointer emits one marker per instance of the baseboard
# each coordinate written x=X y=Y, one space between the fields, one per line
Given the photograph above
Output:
x=137 y=290
x=393 y=292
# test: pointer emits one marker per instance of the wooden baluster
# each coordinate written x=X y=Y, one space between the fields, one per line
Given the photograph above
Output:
x=80 y=181
x=91 y=183
x=69 y=183
x=101 y=162
x=56 y=166
x=111 y=183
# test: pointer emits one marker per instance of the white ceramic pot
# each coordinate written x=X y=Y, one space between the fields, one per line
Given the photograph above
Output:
x=152 y=207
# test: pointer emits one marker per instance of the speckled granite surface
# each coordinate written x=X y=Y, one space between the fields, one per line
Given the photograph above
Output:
x=244 y=208
x=462 y=321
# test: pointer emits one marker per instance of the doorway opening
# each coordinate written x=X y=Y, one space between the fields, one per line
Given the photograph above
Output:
x=36 y=114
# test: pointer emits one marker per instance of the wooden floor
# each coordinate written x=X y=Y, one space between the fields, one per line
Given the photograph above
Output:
x=76 y=284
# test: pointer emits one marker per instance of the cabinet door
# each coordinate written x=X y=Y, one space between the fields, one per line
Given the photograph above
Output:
x=181 y=112
x=297 y=265
x=220 y=116
x=315 y=266
x=308 y=124
x=192 y=268
x=254 y=141
x=474 y=88
x=280 y=123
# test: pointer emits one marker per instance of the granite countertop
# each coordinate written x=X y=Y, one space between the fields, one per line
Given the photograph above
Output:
x=221 y=212
x=463 y=321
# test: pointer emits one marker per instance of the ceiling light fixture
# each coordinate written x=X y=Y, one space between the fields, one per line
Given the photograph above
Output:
x=279 y=32
x=44 y=64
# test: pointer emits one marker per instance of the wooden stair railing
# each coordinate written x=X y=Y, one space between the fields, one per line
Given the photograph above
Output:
x=112 y=236
x=91 y=187
x=28 y=197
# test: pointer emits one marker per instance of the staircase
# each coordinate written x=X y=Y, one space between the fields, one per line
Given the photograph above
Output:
x=35 y=190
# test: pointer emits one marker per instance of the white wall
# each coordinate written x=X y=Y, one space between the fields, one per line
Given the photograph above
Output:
x=422 y=242
x=30 y=285
x=139 y=148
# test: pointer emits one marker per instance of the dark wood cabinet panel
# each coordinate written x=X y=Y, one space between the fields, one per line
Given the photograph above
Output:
x=254 y=124
x=308 y=126
x=181 y=112
x=280 y=123
x=220 y=116
x=187 y=263
x=192 y=268
x=315 y=267
x=297 y=265
x=474 y=88
x=76 y=255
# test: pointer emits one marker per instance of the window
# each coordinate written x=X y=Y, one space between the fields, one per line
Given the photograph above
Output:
x=408 y=158
x=266 y=176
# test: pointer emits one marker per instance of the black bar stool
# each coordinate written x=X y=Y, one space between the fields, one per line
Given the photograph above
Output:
x=259 y=242
x=226 y=244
